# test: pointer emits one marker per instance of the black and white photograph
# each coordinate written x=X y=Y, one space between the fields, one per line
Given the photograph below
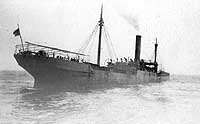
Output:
x=99 y=61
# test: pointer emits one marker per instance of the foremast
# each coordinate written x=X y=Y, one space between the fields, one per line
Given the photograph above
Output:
x=101 y=23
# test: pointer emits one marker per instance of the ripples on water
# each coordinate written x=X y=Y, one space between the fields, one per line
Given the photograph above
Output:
x=176 y=101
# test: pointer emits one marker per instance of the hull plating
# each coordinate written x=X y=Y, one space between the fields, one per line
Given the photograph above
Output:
x=52 y=72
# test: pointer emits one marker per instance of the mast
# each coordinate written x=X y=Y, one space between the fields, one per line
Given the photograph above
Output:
x=156 y=46
x=155 y=61
x=101 y=22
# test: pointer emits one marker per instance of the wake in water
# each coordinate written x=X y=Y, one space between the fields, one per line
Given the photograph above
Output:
x=176 y=101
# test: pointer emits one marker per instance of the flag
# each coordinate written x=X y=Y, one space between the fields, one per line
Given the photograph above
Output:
x=16 y=32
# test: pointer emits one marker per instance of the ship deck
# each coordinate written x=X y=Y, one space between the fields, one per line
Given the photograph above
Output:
x=52 y=52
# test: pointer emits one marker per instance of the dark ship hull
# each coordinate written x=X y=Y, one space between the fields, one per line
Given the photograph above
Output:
x=53 y=72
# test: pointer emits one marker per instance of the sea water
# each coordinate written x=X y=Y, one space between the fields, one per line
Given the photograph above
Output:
x=176 y=101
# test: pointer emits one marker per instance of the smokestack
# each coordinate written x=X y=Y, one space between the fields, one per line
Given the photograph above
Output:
x=137 y=48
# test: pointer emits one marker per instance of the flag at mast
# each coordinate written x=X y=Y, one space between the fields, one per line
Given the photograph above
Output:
x=17 y=33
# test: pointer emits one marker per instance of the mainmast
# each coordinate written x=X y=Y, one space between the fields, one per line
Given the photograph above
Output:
x=155 y=61
x=101 y=22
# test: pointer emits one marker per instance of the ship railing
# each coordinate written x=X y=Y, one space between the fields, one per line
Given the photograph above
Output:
x=34 y=49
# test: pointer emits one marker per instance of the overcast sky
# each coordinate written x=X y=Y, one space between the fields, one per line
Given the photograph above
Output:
x=67 y=23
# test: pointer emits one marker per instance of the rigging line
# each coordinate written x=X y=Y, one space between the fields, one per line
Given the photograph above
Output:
x=110 y=42
x=85 y=44
x=89 y=40
x=108 y=46
x=92 y=41
x=115 y=55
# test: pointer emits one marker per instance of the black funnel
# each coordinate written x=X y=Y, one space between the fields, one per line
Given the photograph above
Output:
x=137 y=48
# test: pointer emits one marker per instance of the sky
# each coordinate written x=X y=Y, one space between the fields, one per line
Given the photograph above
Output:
x=66 y=24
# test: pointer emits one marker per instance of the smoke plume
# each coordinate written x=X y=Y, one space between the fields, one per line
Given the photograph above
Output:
x=133 y=21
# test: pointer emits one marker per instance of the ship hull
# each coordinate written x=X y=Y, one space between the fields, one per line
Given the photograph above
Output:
x=52 y=72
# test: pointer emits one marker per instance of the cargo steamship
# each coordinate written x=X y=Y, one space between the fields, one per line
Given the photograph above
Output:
x=52 y=67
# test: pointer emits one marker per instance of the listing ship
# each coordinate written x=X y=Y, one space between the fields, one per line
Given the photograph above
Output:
x=52 y=67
